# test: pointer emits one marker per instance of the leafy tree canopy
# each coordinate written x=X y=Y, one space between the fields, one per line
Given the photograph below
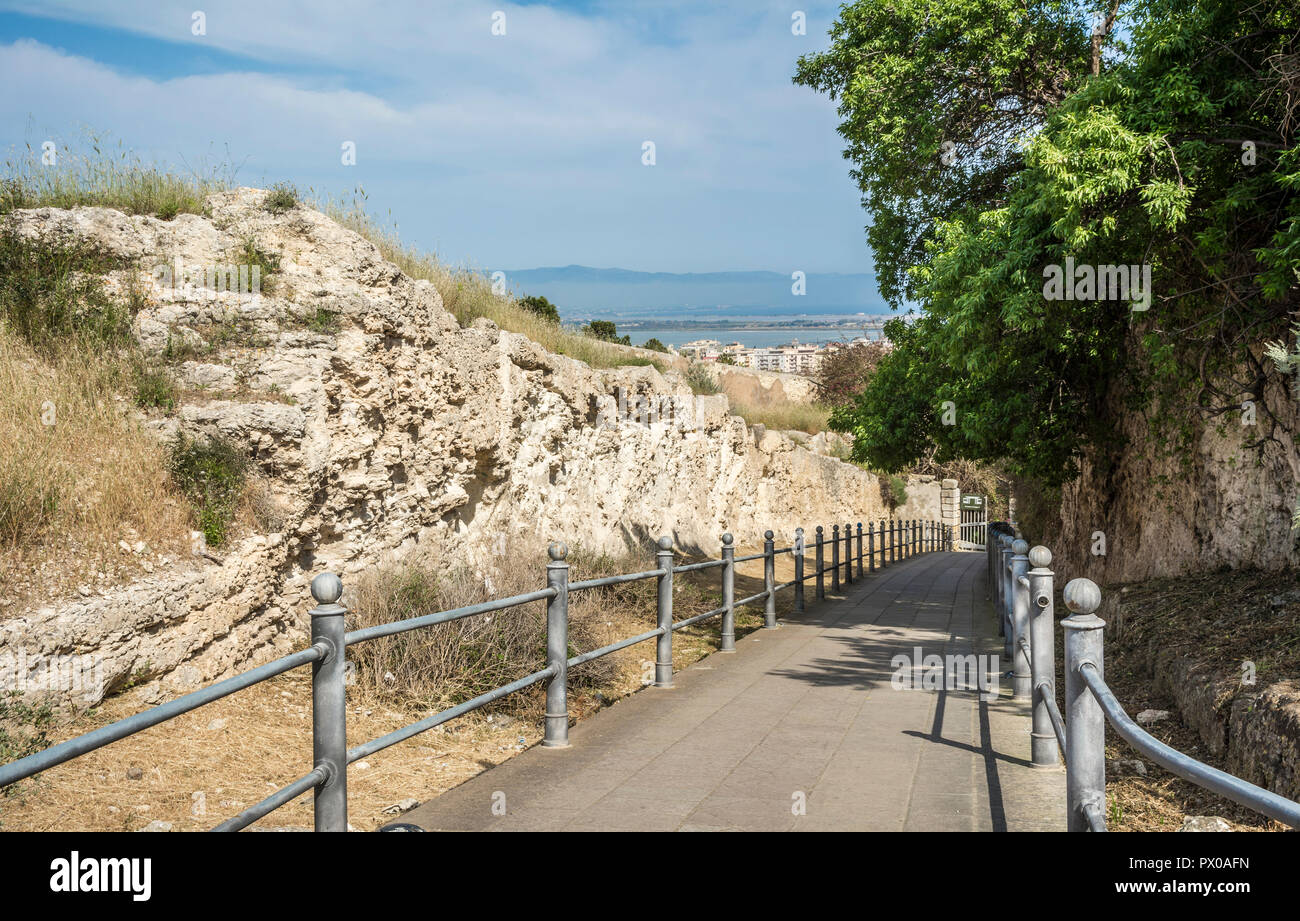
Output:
x=606 y=331
x=991 y=143
x=540 y=306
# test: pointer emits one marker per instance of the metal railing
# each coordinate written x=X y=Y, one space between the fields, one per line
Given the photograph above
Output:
x=330 y=640
x=1023 y=599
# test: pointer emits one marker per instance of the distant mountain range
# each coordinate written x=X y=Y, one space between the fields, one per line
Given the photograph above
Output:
x=582 y=292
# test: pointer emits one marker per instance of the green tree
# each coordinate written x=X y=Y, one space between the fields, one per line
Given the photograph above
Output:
x=606 y=331
x=1174 y=149
x=655 y=345
x=540 y=306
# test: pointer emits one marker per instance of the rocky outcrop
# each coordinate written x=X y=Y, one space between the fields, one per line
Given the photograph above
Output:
x=381 y=427
x=1255 y=729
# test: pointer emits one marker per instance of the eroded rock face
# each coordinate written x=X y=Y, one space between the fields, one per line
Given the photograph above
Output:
x=1228 y=501
x=392 y=430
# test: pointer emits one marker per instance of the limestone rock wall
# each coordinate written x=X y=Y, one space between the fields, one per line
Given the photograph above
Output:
x=386 y=428
x=1227 y=504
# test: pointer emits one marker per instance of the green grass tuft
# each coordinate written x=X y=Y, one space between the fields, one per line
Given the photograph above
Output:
x=282 y=197
x=52 y=294
x=213 y=475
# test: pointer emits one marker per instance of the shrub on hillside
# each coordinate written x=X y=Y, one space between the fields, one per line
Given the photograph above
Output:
x=540 y=306
x=605 y=331
x=282 y=197
x=843 y=373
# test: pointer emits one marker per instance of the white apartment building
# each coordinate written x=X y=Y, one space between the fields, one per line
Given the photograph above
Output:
x=794 y=358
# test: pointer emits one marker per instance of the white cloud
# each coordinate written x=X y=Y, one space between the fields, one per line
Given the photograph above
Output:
x=515 y=150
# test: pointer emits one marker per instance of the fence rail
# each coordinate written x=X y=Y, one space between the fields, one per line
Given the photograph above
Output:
x=1023 y=599
x=892 y=541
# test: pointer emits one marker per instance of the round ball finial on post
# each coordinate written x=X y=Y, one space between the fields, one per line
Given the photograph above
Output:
x=768 y=535
x=558 y=551
x=665 y=543
x=1041 y=557
x=727 y=539
x=327 y=589
x=1082 y=596
x=1019 y=547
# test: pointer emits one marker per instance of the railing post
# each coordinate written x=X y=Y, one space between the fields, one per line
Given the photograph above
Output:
x=988 y=566
x=859 y=550
x=1043 y=745
x=848 y=553
x=821 y=571
x=1020 y=680
x=557 y=648
x=1085 y=723
x=892 y=541
x=871 y=546
x=664 y=647
x=329 y=705
x=728 y=594
x=1004 y=572
x=798 y=570
x=769 y=579
x=835 y=558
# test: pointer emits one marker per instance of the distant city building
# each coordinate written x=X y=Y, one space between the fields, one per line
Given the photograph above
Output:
x=793 y=358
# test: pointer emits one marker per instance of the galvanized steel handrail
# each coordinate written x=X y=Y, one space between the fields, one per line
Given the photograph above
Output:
x=328 y=778
x=442 y=617
x=707 y=564
x=1023 y=600
x=281 y=797
x=606 y=581
x=55 y=755
x=1046 y=695
x=615 y=647
x=1174 y=761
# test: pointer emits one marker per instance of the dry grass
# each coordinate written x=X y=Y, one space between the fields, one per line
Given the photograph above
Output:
x=800 y=417
x=90 y=173
x=205 y=766
x=62 y=486
x=1221 y=619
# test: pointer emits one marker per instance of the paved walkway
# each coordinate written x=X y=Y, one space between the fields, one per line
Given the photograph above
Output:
x=799 y=716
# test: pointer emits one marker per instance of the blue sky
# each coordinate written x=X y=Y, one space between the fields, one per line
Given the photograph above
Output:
x=501 y=151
